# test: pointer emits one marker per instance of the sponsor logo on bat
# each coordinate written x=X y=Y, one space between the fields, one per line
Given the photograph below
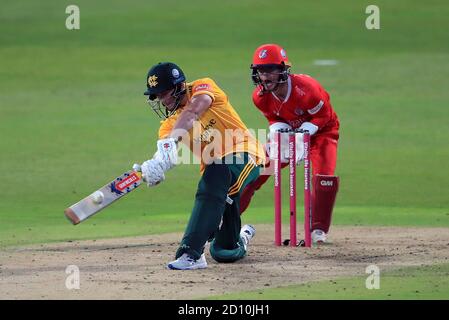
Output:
x=127 y=182
x=119 y=186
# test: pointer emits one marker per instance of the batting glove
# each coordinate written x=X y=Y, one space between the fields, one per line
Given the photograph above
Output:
x=152 y=172
x=167 y=153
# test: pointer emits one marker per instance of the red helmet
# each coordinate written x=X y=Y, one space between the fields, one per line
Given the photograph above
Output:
x=270 y=54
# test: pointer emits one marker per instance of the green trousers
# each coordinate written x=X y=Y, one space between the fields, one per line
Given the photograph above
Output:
x=216 y=213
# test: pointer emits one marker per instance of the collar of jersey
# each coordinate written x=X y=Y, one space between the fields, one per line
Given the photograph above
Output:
x=289 y=91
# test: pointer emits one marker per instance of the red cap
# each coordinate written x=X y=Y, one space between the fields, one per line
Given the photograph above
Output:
x=270 y=54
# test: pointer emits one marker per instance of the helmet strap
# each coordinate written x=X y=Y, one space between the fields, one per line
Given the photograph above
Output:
x=179 y=94
x=283 y=77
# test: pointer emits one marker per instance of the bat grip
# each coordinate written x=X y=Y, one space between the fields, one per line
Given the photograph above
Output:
x=137 y=167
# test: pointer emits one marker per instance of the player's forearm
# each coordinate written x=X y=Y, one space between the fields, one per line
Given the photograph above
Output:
x=186 y=120
x=192 y=112
x=184 y=124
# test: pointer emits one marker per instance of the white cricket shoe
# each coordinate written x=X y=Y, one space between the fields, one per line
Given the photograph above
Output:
x=186 y=262
x=319 y=236
x=247 y=233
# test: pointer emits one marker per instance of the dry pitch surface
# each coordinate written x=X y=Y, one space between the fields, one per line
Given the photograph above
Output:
x=134 y=268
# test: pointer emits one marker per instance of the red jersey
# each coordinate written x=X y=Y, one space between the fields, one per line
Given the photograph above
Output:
x=306 y=101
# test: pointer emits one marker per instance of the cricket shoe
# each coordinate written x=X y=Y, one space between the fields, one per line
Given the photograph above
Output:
x=319 y=236
x=186 y=262
x=247 y=233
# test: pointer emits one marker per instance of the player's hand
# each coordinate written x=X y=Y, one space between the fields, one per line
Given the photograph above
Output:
x=272 y=148
x=152 y=172
x=164 y=164
x=285 y=154
x=167 y=153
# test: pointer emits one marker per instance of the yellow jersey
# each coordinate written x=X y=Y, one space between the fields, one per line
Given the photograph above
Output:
x=219 y=131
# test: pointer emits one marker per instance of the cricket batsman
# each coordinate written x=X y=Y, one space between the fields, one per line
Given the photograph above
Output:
x=199 y=115
x=298 y=101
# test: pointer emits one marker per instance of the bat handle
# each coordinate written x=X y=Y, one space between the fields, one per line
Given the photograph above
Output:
x=138 y=168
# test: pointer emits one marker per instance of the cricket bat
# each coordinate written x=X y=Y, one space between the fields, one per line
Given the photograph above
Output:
x=104 y=196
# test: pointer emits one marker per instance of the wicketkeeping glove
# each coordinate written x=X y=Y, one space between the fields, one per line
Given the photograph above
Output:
x=299 y=147
x=271 y=146
x=285 y=155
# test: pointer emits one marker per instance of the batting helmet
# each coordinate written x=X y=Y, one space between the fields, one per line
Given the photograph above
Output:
x=162 y=77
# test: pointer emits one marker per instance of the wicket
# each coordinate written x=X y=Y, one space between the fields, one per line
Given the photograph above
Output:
x=292 y=188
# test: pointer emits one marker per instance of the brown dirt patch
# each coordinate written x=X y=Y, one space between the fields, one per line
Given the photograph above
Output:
x=134 y=268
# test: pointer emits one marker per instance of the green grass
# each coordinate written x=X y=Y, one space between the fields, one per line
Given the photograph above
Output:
x=73 y=116
x=415 y=283
x=116 y=221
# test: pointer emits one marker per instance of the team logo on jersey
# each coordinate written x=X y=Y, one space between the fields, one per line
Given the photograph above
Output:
x=152 y=81
x=299 y=91
x=283 y=54
x=295 y=123
x=207 y=133
x=298 y=111
x=263 y=54
x=175 y=73
x=201 y=87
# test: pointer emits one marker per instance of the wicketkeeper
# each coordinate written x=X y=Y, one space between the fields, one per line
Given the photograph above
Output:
x=199 y=115
x=298 y=101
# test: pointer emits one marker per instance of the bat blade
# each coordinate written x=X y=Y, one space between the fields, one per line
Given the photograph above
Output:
x=110 y=192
